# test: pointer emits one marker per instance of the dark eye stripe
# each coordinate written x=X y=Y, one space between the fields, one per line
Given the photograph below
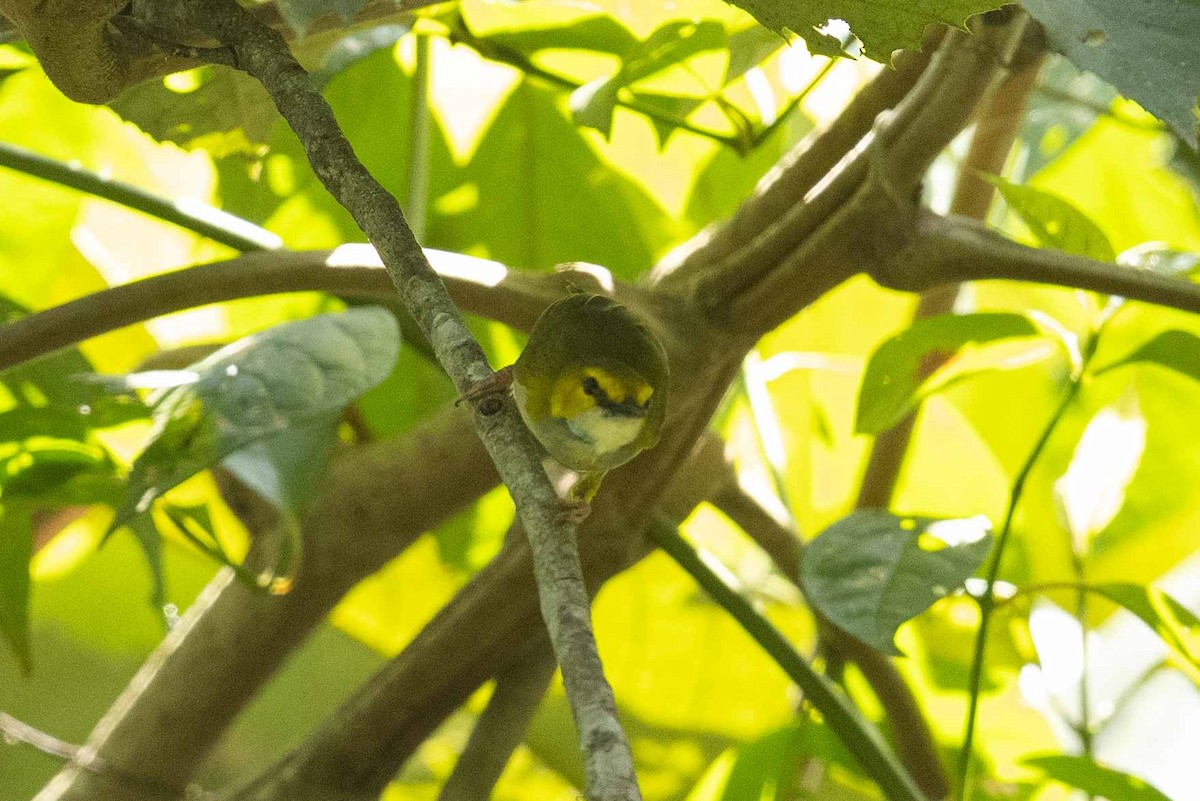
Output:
x=591 y=386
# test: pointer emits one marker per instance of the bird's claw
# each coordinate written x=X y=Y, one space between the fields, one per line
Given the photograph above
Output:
x=497 y=383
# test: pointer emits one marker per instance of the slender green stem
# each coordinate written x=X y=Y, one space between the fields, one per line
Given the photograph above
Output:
x=987 y=601
x=193 y=215
x=418 y=153
x=1084 y=726
x=861 y=738
x=512 y=58
x=782 y=117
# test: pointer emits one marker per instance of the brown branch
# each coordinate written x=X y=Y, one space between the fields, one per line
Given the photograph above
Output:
x=501 y=727
x=374 y=502
x=865 y=207
x=947 y=250
x=353 y=272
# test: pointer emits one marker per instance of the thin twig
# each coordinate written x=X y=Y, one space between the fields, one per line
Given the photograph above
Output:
x=18 y=731
x=987 y=601
x=220 y=226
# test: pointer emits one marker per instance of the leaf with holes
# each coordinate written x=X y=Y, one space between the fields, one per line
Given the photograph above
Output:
x=261 y=386
x=1055 y=222
x=899 y=367
x=1095 y=779
x=882 y=26
x=1147 y=50
x=872 y=571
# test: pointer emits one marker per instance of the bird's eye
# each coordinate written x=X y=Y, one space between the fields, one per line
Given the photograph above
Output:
x=591 y=386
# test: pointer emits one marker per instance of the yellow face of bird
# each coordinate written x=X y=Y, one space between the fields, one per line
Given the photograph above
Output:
x=577 y=392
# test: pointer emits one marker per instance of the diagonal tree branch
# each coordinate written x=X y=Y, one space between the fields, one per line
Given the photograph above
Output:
x=565 y=606
x=501 y=727
x=206 y=220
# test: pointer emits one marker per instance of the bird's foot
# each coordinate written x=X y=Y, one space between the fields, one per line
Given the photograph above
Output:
x=573 y=512
x=497 y=383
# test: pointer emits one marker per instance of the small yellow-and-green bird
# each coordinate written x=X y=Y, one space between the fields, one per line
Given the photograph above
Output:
x=591 y=384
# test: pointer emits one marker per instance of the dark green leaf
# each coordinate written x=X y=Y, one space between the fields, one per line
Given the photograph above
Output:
x=299 y=14
x=899 y=366
x=1055 y=222
x=16 y=549
x=1176 y=350
x=357 y=46
x=1146 y=49
x=221 y=110
x=882 y=26
x=748 y=48
x=1170 y=620
x=1094 y=779
x=673 y=43
x=41 y=469
x=24 y=422
x=565 y=26
x=148 y=537
x=58 y=384
x=268 y=383
x=872 y=571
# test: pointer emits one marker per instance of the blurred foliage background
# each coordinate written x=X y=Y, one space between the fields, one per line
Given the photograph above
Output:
x=513 y=175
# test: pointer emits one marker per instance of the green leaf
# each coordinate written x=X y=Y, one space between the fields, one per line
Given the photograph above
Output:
x=261 y=386
x=1170 y=620
x=43 y=470
x=882 y=26
x=557 y=25
x=299 y=14
x=872 y=571
x=1055 y=222
x=898 y=368
x=148 y=537
x=221 y=110
x=16 y=549
x=350 y=49
x=1175 y=350
x=674 y=43
x=767 y=767
x=1147 y=50
x=1095 y=779
x=24 y=422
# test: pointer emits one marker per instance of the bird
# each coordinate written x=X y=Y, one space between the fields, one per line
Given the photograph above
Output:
x=591 y=385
